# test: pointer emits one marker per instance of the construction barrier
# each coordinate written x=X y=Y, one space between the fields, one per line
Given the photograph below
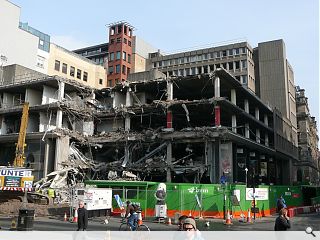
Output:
x=75 y=218
x=203 y=200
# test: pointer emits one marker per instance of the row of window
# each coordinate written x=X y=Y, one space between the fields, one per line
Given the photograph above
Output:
x=72 y=70
x=125 y=56
x=117 y=69
x=201 y=57
x=231 y=66
x=119 y=41
x=118 y=30
x=202 y=70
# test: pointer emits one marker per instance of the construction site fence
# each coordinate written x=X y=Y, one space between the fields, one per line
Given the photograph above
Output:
x=209 y=200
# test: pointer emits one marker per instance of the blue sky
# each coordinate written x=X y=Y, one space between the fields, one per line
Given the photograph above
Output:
x=172 y=25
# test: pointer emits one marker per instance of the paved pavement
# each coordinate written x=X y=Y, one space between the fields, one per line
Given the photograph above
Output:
x=299 y=223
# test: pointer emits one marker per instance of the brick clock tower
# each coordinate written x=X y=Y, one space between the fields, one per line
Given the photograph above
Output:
x=120 y=52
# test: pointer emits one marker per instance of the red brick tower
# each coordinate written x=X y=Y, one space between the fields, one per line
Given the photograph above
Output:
x=120 y=52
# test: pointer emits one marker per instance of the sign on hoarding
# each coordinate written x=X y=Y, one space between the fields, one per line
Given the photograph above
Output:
x=15 y=172
x=260 y=194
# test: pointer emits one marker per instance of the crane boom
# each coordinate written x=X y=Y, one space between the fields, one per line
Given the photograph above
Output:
x=20 y=157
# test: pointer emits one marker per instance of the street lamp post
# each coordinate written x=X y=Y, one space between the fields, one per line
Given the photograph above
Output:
x=246 y=169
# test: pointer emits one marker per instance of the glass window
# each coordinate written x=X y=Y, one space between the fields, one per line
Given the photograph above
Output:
x=230 y=65
x=118 y=68
x=118 y=40
x=154 y=64
x=230 y=52
x=112 y=30
x=224 y=53
x=187 y=59
x=109 y=83
x=119 y=29
x=78 y=73
x=244 y=79
x=125 y=40
x=64 y=68
x=111 y=56
x=100 y=81
x=128 y=71
x=193 y=71
x=160 y=64
x=110 y=69
x=205 y=56
x=57 y=65
x=124 y=56
x=72 y=70
x=129 y=43
x=199 y=57
x=85 y=76
x=237 y=64
x=112 y=41
x=118 y=57
x=181 y=72
x=218 y=54
x=124 y=69
x=188 y=71
x=193 y=58
x=237 y=51
x=243 y=50
x=244 y=64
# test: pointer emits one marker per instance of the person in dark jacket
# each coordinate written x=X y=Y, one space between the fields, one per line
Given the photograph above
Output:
x=82 y=217
x=281 y=203
x=282 y=222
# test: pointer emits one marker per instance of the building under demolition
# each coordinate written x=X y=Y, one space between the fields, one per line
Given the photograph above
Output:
x=182 y=129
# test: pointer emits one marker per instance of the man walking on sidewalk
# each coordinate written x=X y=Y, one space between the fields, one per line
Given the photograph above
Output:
x=82 y=217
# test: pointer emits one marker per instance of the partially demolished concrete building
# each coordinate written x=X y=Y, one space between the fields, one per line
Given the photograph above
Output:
x=193 y=129
x=182 y=129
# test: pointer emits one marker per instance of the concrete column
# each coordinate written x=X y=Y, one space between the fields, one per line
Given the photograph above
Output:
x=62 y=151
x=127 y=123
x=61 y=91
x=169 y=118
x=266 y=122
x=217 y=87
x=257 y=113
x=217 y=116
x=258 y=135
x=233 y=96
x=170 y=90
x=126 y=154
x=234 y=123
x=208 y=68
x=246 y=130
x=60 y=98
x=234 y=66
x=202 y=69
x=128 y=97
x=246 y=105
x=266 y=140
x=169 y=160
x=46 y=159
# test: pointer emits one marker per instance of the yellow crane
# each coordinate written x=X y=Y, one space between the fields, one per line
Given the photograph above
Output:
x=20 y=157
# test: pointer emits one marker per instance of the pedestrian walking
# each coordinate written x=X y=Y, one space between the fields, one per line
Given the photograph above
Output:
x=82 y=217
x=282 y=222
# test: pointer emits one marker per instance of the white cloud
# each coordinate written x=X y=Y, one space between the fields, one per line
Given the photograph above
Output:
x=68 y=42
